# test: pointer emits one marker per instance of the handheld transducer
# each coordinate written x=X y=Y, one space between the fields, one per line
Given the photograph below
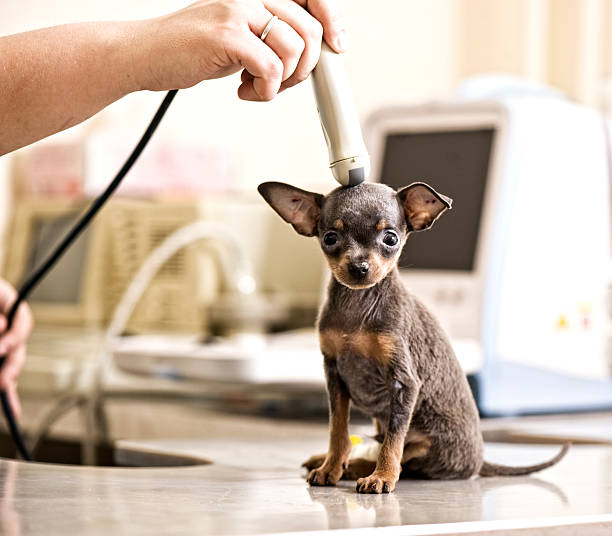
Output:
x=348 y=156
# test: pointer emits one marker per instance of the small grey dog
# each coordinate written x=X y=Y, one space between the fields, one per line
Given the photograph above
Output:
x=382 y=348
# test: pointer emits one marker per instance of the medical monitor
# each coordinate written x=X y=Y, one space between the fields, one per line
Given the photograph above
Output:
x=71 y=292
x=457 y=150
x=457 y=164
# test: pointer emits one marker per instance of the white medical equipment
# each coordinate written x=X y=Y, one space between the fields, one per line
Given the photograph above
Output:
x=518 y=272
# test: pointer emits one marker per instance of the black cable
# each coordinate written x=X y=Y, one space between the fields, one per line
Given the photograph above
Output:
x=38 y=274
x=12 y=424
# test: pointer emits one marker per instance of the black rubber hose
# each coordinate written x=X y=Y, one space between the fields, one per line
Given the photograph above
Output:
x=38 y=274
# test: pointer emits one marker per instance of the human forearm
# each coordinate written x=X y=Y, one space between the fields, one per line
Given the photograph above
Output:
x=54 y=78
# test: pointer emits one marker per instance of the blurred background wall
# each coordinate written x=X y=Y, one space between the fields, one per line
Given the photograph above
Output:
x=212 y=150
x=400 y=51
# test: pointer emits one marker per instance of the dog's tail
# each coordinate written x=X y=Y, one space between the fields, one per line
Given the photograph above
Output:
x=493 y=469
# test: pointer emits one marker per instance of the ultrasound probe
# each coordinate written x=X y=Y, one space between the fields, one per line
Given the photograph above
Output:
x=348 y=156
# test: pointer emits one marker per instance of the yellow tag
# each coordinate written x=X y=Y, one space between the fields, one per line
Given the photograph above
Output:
x=562 y=322
x=356 y=440
x=351 y=503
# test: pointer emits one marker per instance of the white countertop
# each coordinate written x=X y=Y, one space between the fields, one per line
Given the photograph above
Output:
x=255 y=486
x=254 y=483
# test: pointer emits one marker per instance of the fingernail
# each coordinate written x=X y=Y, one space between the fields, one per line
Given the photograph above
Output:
x=341 y=41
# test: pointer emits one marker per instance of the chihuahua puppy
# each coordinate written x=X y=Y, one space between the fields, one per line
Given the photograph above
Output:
x=382 y=348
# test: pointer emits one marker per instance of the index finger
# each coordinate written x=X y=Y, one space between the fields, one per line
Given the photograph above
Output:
x=328 y=14
x=8 y=295
x=12 y=366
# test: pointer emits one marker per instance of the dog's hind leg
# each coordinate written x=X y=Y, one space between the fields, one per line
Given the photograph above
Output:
x=449 y=457
x=314 y=461
x=417 y=445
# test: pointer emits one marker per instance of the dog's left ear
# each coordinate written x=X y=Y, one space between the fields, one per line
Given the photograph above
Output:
x=297 y=207
x=422 y=205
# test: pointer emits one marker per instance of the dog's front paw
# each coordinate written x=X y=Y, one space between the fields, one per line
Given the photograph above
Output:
x=377 y=483
x=325 y=476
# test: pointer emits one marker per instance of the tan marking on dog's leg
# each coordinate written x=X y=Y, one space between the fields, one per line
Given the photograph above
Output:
x=416 y=448
x=314 y=461
x=388 y=464
x=358 y=468
x=414 y=436
x=388 y=467
x=390 y=457
x=380 y=429
x=339 y=441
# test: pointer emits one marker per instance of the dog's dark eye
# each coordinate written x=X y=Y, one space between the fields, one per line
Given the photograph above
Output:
x=330 y=238
x=390 y=238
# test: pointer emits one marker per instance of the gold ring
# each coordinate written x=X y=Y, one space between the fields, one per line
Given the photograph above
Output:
x=268 y=27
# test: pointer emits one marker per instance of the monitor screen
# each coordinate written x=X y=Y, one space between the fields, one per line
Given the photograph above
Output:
x=455 y=163
x=63 y=283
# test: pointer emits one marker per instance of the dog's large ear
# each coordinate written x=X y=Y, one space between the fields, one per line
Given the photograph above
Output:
x=422 y=205
x=297 y=207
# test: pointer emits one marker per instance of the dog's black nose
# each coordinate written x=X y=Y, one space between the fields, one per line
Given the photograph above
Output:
x=359 y=269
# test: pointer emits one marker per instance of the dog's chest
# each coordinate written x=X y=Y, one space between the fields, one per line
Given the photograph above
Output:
x=362 y=359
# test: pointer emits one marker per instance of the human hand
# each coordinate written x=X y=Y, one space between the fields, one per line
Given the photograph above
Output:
x=13 y=343
x=215 y=38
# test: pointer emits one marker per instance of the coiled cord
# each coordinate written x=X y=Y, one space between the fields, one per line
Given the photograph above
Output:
x=39 y=273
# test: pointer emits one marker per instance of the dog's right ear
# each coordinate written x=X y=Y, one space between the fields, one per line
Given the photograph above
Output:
x=297 y=207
